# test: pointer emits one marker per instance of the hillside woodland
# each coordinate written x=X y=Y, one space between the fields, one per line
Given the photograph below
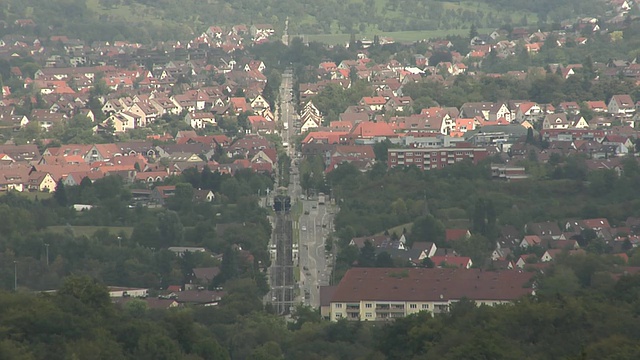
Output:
x=580 y=313
x=146 y=20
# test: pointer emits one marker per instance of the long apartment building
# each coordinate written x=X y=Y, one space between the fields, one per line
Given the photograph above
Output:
x=434 y=158
x=382 y=294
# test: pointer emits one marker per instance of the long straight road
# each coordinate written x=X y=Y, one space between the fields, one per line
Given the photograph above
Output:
x=316 y=221
x=315 y=225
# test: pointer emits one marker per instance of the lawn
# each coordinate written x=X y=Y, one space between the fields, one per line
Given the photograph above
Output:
x=398 y=229
x=36 y=195
x=399 y=36
x=90 y=230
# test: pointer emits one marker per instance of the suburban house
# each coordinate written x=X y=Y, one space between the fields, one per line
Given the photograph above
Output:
x=379 y=294
x=544 y=229
x=621 y=106
x=200 y=120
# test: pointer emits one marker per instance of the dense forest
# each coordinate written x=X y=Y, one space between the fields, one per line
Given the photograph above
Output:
x=126 y=244
x=577 y=313
x=145 y=20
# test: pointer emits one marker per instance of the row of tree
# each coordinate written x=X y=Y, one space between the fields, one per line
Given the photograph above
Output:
x=583 y=309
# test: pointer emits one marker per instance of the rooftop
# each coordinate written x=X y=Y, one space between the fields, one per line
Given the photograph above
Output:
x=421 y=284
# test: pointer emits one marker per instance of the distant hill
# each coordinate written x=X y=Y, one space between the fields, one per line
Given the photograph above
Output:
x=146 y=20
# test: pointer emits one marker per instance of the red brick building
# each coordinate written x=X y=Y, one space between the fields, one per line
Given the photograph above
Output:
x=434 y=158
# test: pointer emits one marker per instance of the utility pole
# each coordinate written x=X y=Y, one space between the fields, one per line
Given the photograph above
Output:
x=46 y=247
x=15 y=275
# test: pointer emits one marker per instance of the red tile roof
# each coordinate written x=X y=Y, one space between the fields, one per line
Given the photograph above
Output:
x=397 y=284
x=369 y=129
x=455 y=234
x=457 y=261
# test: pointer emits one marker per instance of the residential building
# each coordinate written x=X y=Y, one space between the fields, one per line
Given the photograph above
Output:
x=508 y=172
x=621 y=105
x=379 y=294
x=435 y=158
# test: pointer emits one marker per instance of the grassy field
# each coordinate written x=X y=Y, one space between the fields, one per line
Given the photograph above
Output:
x=398 y=229
x=90 y=230
x=135 y=12
x=399 y=36
x=33 y=195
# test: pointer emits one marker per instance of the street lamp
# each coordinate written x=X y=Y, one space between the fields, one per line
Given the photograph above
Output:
x=46 y=247
x=15 y=275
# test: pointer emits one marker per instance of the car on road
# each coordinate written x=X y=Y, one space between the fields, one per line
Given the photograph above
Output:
x=314 y=207
x=306 y=212
x=304 y=228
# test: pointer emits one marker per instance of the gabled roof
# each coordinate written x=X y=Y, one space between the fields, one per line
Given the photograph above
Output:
x=455 y=234
x=457 y=261
x=206 y=274
x=623 y=101
x=376 y=240
x=331 y=137
x=596 y=223
x=369 y=129
x=375 y=100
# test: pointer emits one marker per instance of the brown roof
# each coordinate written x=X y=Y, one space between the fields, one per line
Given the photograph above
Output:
x=206 y=274
x=326 y=294
x=396 y=284
x=455 y=234
x=200 y=296
x=375 y=240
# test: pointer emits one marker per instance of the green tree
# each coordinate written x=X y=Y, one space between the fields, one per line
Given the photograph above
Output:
x=367 y=256
x=60 y=195
x=380 y=149
x=428 y=228
x=182 y=200
x=88 y=291
x=170 y=229
x=473 y=31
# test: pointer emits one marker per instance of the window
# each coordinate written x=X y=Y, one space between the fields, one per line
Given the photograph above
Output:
x=338 y=315
x=368 y=306
x=338 y=306
x=425 y=306
x=413 y=306
x=368 y=315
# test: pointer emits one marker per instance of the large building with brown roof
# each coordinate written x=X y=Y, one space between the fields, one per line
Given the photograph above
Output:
x=379 y=294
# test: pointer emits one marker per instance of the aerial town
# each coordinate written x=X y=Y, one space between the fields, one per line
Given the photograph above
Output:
x=248 y=179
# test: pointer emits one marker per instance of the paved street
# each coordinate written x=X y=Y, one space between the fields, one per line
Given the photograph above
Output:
x=287 y=109
x=316 y=221
x=314 y=261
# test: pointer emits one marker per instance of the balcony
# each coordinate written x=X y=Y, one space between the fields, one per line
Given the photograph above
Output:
x=383 y=307
x=438 y=309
